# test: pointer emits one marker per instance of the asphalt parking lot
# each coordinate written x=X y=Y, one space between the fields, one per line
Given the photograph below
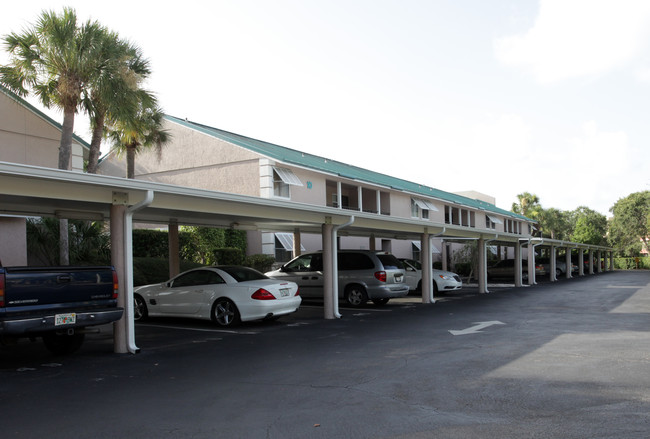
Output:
x=564 y=360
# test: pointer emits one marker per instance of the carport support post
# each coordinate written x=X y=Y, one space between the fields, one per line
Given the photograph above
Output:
x=569 y=265
x=581 y=262
x=328 y=271
x=174 y=256
x=531 y=264
x=611 y=260
x=427 y=266
x=482 y=266
x=118 y=260
x=553 y=265
x=591 y=261
x=444 y=252
x=296 y=243
x=518 y=265
x=599 y=263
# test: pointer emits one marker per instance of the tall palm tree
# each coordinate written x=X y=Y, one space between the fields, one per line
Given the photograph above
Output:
x=143 y=130
x=56 y=59
x=115 y=94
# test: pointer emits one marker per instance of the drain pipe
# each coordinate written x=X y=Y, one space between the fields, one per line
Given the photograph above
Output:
x=335 y=265
x=128 y=284
x=484 y=258
x=431 y=298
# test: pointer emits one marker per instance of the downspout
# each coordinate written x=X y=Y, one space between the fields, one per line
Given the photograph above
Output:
x=431 y=298
x=533 y=261
x=335 y=265
x=484 y=269
x=128 y=284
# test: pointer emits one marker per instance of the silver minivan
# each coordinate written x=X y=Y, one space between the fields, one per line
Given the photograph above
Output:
x=363 y=275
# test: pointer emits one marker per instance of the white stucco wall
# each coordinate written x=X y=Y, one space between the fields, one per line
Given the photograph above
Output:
x=29 y=139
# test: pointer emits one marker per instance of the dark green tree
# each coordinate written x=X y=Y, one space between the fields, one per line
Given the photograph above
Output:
x=628 y=229
x=589 y=226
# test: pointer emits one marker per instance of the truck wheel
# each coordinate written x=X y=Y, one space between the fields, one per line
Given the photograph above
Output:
x=356 y=295
x=63 y=344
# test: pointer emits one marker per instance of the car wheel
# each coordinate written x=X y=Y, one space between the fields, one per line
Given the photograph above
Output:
x=356 y=295
x=224 y=312
x=140 y=311
x=380 y=302
x=558 y=273
x=419 y=287
x=63 y=344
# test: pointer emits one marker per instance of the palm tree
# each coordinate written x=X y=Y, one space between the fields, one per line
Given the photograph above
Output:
x=56 y=59
x=115 y=93
x=143 y=130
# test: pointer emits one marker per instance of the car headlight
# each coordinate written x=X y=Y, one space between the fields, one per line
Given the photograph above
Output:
x=445 y=276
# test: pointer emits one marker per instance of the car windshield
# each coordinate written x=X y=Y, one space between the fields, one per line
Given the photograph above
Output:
x=242 y=274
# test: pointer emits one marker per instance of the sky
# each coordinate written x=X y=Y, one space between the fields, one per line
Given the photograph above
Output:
x=501 y=96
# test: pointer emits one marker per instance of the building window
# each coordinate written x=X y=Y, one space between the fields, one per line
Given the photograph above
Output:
x=420 y=208
x=491 y=222
x=284 y=247
x=283 y=178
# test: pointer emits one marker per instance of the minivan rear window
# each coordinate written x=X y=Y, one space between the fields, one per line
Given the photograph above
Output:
x=355 y=261
x=390 y=262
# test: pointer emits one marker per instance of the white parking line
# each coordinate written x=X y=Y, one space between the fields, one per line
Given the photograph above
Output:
x=199 y=329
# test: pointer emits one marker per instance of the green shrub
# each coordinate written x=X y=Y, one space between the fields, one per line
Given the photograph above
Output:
x=632 y=263
x=155 y=270
x=261 y=263
x=228 y=256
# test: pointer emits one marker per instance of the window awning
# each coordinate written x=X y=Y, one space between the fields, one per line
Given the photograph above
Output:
x=418 y=245
x=423 y=204
x=287 y=176
x=286 y=240
x=495 y=219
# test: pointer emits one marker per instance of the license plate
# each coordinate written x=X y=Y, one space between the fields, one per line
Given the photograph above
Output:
x=65 y=319
x=284 y=292
x=398 y=278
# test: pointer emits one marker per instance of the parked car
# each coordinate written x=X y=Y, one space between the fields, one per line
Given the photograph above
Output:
x=560 y=265
x=224 y=294
x=506 y=269
x=363 y=275
x=442 y=280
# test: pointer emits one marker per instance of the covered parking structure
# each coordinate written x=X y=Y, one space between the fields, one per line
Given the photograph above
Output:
x=36 y=191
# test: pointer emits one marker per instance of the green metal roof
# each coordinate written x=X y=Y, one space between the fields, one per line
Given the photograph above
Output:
x=322 y=164
x=40 y=114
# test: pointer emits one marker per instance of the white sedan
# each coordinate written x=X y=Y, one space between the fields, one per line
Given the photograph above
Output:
x=224 y=294
x=442 y=280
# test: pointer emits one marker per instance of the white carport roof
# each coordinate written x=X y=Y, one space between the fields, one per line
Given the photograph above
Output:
x=36 y=191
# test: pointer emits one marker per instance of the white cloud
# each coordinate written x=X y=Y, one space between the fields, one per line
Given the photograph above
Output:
x=577 y=38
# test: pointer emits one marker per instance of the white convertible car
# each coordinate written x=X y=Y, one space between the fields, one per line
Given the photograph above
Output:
x=224 y=294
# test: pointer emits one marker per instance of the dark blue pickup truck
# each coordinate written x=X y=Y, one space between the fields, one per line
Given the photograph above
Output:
x=56 y=303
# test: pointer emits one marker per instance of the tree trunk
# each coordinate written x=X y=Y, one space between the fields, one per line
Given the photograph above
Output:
x=64 y=247
x=95 y=144
x=65 y=147
x=65 y=162
x=130 y=162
